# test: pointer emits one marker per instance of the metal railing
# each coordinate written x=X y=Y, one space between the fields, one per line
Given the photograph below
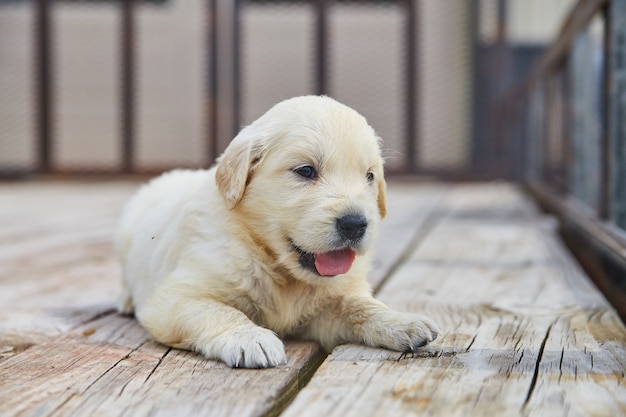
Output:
x=568 y=124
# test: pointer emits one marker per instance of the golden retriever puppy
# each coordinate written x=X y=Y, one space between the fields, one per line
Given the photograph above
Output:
x=272 y=242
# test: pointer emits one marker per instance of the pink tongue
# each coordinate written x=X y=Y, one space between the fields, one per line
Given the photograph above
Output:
x=334 y=263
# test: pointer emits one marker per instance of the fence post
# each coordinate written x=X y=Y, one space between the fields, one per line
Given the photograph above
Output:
x=321 y=44
x=227 y=67
x=43 y=59
x=128 y=83
x=411 y=96
x=616 y=110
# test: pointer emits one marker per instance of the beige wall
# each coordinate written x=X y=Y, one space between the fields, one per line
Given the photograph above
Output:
x=444 y=84
x=171 y=84
x=536 y=21
x=366 y=71
x=86 y=86
x=17 y=92
x=276 y=56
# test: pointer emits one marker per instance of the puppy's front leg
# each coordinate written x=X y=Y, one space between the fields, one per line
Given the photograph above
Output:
x=368 y=321
x=212 y=328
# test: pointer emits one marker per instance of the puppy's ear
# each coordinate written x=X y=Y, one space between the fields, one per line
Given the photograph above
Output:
x=236 y=165
x=382 y=199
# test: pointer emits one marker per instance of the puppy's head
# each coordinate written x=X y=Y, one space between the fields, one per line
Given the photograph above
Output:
x=306 y=178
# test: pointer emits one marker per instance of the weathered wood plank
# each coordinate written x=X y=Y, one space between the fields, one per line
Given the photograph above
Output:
x=524 y=333
x=63 y=349
x=58 y=269
x=111 y=367
x=410 y=210
x=43 y=224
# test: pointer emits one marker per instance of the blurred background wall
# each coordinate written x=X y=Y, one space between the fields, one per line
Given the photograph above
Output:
x=141 y=86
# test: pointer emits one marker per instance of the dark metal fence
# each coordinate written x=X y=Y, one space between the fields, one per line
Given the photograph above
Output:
x=140 y=86
x=106 y=87
x=568 y=120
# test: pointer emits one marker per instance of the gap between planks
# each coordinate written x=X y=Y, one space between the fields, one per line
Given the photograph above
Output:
x=68 y=358
x=503 y=351
x=526 y=333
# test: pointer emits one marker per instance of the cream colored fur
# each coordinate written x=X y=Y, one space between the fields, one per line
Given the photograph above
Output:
x=208 y=256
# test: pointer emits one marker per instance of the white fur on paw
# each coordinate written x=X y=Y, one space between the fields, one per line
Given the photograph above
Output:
x=253 y=348
x=404 y=332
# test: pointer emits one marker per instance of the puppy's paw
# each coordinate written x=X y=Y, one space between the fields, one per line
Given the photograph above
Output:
x=403 y=332
x=253 y=348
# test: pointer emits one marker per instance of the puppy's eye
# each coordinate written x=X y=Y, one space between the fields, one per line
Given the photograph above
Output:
x=306 y=171
x=370 y=176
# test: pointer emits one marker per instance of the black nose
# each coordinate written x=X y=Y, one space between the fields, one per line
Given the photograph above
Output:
x=352 y=226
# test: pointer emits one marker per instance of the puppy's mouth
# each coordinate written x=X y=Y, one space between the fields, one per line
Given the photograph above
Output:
x=330 y=263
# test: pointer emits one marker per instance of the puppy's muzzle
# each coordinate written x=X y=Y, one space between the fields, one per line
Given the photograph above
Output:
x=351 y=227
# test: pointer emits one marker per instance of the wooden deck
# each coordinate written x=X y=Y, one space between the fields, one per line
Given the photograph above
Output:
x=524 y=331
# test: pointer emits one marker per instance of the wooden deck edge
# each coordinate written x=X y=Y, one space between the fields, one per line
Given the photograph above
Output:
x=597 y=248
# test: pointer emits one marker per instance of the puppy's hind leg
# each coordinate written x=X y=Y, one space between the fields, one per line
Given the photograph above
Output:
x=214 y=329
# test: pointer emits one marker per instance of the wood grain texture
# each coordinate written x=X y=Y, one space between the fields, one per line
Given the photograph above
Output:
x=524 y=333
x=111 y=367
x=411 y=208
x=65 y=351
x=63 y=348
